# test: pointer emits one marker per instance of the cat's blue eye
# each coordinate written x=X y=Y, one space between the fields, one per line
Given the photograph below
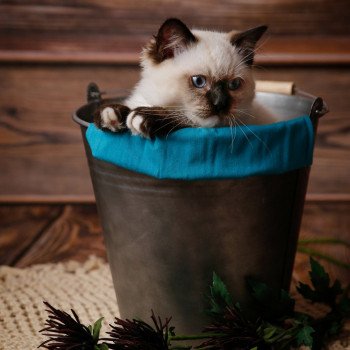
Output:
x=199 y=81
x=235 y=84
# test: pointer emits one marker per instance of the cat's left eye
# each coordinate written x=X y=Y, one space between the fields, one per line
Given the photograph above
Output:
x=235 y=84
x=198 y=81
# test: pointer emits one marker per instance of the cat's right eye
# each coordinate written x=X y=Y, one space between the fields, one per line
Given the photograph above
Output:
x=198 y=81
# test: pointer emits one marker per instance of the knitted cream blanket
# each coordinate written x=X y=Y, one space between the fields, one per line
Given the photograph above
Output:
x=85 y=287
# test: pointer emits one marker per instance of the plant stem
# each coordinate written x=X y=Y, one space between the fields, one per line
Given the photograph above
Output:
x=323 y=241
x=316 y=253
x=194 y=336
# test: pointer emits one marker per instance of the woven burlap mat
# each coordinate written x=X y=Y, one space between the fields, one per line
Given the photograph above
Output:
x=85 y=287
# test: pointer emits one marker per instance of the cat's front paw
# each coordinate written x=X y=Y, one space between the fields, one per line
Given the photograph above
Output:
x=111 y=117
x=137 y=124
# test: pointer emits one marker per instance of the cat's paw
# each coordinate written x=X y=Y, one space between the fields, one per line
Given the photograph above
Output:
x=111 y=117
x=136 y=124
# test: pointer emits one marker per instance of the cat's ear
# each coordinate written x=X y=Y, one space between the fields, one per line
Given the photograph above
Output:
x=173 y=37
x=246 y=42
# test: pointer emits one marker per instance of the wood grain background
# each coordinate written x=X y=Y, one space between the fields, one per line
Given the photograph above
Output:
x=36 y=234
x=51 y=49
x=41 y=152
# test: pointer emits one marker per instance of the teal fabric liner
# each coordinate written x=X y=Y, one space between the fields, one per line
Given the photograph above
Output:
x=210 y=153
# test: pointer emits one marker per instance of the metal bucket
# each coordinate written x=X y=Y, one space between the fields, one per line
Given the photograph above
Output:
x=165 y=238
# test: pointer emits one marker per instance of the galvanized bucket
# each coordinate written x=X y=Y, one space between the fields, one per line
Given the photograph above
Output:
x=165 y=238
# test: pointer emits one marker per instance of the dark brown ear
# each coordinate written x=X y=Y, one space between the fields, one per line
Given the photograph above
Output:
x=246 y=41
x=173 y=36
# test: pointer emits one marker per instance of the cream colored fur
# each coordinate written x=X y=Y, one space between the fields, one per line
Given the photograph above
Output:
x=166 y=83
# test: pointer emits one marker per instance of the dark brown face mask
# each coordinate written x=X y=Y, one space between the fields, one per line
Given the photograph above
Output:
x=219 y=97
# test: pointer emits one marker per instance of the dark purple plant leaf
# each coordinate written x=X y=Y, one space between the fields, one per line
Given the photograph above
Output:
x=233 y=331
x=65 y=332
x=137 y=334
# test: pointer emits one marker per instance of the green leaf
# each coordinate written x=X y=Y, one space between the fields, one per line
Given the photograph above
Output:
x=286 y=301
x=172 y=331
x=96 y=329
x=272 y=304
x=273 y=334
x=315 y=253
x=259 y=291
x=268 y=332
x=322 y=292
x=337 y=288
x=319 y=277
x=219 y=297
x=303 y=337
x=334 y=328
x=344 y=306
x=324 y=241
x=102 y=346
x=301 y=318
x=306 y=291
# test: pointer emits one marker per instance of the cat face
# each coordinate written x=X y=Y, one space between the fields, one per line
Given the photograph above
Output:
x=205 y=75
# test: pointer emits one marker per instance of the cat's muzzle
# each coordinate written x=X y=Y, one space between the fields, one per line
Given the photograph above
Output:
x=219 y=98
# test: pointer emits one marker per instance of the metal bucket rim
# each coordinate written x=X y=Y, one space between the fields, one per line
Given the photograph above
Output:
x=298 y=95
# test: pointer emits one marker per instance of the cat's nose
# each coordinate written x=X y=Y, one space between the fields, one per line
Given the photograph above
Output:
x=219 y=97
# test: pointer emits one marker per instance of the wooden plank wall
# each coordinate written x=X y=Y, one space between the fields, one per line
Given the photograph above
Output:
x=41 y=233
x=50 y=50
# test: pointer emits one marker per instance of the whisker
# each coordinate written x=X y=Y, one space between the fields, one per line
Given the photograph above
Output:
x=244 y=134
x=181 y=121
x=232 y=137
x=262 y=141
x=258 y=66
x=164 y=125
x=167 y=116
x=246 y=113
x=165 y=108
x=162 y=111
x=175 y=126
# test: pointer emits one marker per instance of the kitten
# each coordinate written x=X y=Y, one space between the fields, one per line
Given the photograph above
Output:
x=190 y=78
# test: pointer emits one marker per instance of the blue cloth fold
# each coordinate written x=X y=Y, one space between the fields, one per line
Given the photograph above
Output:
x=210 y=153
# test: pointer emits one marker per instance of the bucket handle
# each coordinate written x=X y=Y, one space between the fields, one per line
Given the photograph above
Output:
x=93 y=93
x=319 y=108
